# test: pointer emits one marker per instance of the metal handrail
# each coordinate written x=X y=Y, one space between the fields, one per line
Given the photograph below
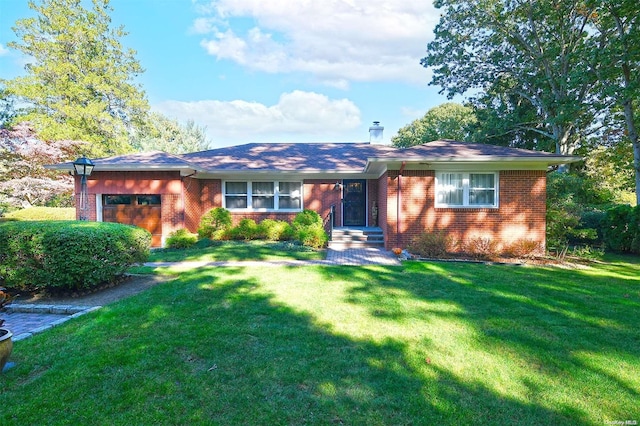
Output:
x=329 y=221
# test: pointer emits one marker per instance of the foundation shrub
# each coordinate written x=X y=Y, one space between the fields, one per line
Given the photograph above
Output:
x=68 y=255
x=307 y=228
x=312 y=236
x=276 y=230
x=247 y=229
x=431 y=244
x=481 y=248
x=522 y=248
x=181 y=239
x=215 y=223
x=307 y=218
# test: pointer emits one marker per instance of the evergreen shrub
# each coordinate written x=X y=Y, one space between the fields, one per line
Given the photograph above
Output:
x=181 y=239
x=68 y=255
x=276 y=230
x=215 y=223
x=247 y=229
x=621 y=229
x=308 y=229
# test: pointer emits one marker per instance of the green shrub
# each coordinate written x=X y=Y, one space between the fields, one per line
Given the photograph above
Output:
x=68 y=255
x=181 y=239
x=247 y=229
x=618 y=229
x=306 y=218
x=573 y=203
x=214 y=223
x=312 y=236
x=431 y=244
x=276 y=230
x=43 y=213
x=307 y=228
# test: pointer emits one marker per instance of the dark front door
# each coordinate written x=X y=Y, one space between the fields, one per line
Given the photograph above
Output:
x=355 y=202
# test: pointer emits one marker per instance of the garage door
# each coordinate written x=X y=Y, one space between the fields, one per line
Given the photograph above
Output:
x=139 y=210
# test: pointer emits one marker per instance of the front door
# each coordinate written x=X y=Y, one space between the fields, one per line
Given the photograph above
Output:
x=355 y=202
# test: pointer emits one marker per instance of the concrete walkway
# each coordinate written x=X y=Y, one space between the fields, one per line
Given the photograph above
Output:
x=349 y=256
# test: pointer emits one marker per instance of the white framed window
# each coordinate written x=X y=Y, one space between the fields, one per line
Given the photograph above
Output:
x=466 y=189
x=262 y=195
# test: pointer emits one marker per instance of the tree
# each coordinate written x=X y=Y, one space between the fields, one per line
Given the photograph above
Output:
x=538 y=53
x=170 y=136
x=23 y=179
x=79 y=83
x=619 y=23
x=447 y=121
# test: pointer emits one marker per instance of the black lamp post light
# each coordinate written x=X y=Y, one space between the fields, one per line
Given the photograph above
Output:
x=83 y=167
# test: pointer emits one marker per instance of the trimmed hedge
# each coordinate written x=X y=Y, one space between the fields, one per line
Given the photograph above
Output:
x=68 y=255
x=43 y=213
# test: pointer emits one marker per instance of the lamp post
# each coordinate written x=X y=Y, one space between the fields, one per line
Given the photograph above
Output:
x=83 y=167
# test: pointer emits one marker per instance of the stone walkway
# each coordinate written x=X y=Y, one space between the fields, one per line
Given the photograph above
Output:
x=26 y=320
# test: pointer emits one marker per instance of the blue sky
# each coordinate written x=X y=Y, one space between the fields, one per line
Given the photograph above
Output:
x=273 y=70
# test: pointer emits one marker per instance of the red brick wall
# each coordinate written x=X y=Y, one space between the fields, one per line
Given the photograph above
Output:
x=134 y=183
x=211 y=194
x=192 y=206
x=521 y=212
x=320 y=195
x=172 y=213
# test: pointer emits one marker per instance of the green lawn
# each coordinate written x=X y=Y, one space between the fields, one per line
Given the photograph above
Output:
x=238 y=251
x=419 y=344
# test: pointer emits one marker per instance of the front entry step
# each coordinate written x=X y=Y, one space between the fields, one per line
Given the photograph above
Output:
x=356 y=237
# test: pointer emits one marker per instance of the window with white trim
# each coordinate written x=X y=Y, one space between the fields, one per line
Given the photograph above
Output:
x=263 y=195
x=459 y=189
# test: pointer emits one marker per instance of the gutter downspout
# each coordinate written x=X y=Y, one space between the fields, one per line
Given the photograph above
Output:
x=398 y=207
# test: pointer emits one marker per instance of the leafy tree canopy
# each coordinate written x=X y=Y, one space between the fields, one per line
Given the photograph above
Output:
x=79 y=82
x=539 y=54
x=170 y=136
x=447 y=121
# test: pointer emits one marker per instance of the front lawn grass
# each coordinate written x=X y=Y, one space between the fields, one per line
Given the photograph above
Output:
x=212 y=251
x=419 y=344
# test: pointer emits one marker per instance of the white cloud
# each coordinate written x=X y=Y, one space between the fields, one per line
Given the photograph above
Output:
x=3 y=50
x=297 y=114
x=337 y=41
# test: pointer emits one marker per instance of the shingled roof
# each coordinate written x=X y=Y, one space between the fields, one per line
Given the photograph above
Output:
x=322 y=157
x=289 y=156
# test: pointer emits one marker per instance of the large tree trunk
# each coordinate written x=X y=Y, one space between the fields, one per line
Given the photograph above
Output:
x=564 y=144
x=633 y=136
x=627 y=99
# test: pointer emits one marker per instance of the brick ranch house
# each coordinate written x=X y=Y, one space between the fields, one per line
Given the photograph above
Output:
x=467 y=190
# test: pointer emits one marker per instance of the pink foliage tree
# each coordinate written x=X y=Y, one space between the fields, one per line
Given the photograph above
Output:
x=24 y=181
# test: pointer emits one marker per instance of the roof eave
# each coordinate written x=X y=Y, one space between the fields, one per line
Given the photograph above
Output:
x=546 y=160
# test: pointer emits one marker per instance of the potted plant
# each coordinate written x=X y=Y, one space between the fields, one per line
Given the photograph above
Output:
x=6 y=345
